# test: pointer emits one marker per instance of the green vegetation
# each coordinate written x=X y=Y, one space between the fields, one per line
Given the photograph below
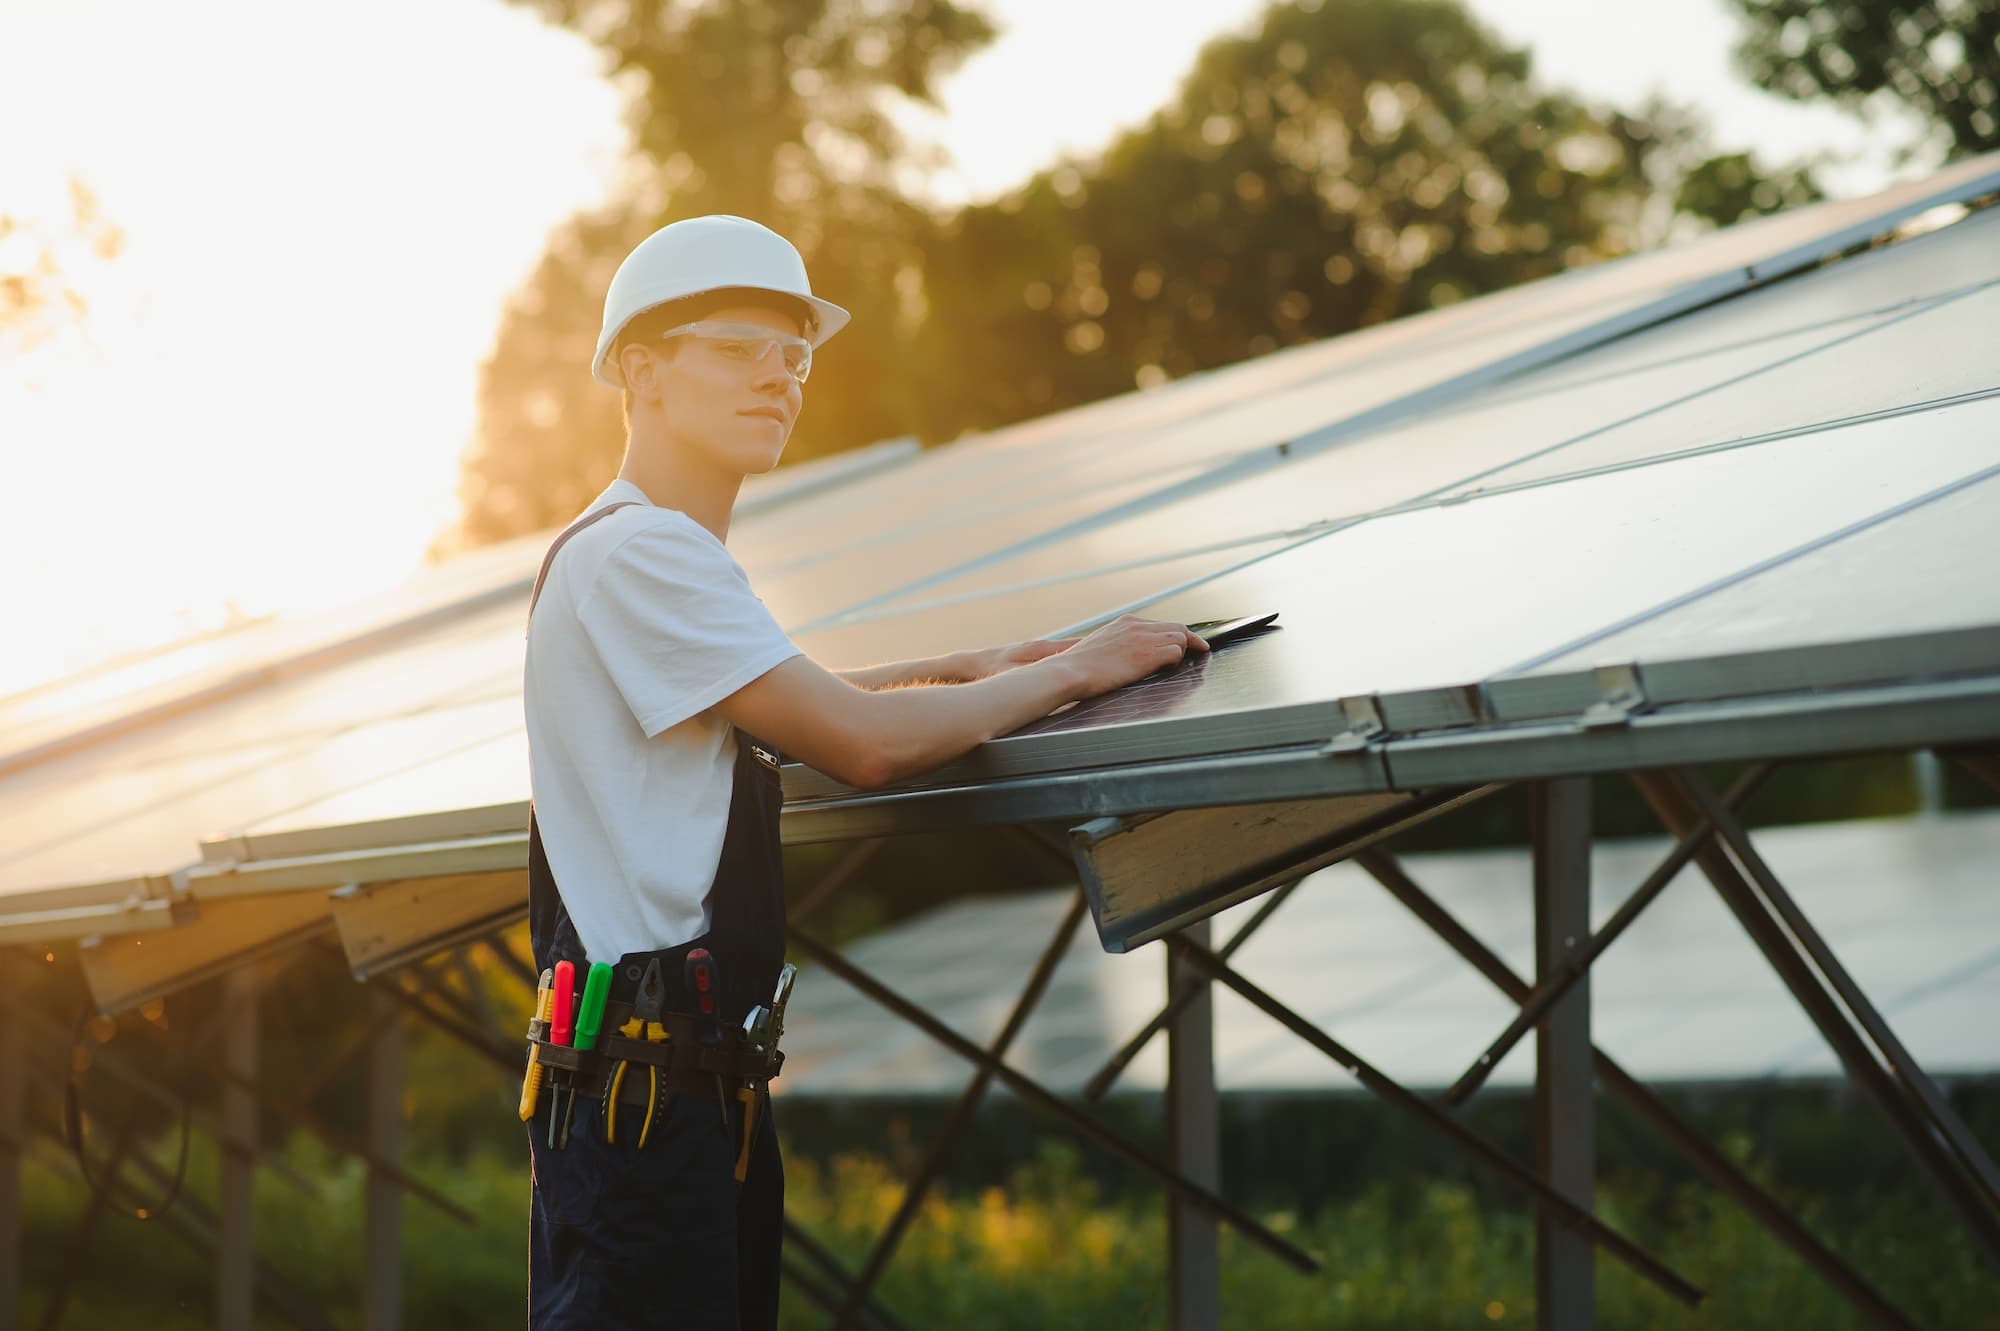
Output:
x=1408 y=1242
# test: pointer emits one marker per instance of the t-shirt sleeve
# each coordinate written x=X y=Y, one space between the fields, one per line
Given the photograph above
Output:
x=676 y=625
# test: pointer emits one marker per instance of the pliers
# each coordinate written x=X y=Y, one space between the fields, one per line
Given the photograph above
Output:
x=645 y=1023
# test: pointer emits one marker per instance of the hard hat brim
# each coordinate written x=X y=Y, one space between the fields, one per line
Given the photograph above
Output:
x=828 y=319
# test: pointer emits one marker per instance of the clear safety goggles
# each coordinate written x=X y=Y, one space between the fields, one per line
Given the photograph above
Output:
x=749 y=344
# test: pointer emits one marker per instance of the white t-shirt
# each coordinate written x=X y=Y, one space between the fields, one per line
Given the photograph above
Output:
x=645 y=623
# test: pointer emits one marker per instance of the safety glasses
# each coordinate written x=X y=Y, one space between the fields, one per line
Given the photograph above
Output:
x=749 y=344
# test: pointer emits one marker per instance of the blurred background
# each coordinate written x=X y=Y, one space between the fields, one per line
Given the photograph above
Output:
x=296 y=296
x=293 y=296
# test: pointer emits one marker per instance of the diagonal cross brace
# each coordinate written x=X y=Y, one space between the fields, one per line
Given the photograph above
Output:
x=1577 y=964
x=1393 y=1093
x=1036 y=1094
x=1678 y=809
x=1709 y=1162
x=1972 y=1156
x=1182 y=997
x=961 y=1114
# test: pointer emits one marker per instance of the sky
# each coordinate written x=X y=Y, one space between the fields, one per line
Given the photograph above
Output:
x=325 y=207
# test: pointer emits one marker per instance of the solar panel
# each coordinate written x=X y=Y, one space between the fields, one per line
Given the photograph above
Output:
x=1912 y=595
x=84 y=819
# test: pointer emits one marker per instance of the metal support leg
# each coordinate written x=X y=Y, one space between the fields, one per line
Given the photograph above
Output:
x=1194 y=1271
x=382 y=1285
x=1565 y=1127
x=13 y=1130
x=235 y=1248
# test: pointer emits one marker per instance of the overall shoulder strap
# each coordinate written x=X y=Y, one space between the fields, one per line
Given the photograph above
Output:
x=568 y=532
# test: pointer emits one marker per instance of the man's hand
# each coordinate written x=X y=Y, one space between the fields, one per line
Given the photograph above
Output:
x=1127 y=649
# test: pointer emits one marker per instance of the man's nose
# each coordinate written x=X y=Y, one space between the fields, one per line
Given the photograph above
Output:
x=771 y=373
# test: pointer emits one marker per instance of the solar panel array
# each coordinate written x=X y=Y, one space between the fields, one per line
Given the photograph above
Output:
x=1743 y=447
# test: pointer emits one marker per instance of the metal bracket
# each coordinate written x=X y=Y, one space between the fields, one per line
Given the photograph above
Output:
x=1623 y=696
x=1364 y=727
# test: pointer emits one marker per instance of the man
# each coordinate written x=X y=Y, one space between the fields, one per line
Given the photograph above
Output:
x=651 y=665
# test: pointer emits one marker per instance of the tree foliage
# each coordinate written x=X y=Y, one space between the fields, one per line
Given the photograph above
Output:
x=43 y=263
x=1940 y=58
x=1343 y=164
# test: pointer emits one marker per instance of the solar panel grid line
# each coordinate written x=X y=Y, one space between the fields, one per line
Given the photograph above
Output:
x=1541 y=386
x=1761 y=566
x=1742 y=377
x=1936 y=357
x=1287 y=537
x=1677 y=455
x=1255 y=461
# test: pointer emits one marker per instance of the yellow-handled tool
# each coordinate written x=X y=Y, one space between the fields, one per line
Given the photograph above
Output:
x=531 y=1085
x=645 y=1023
x=747 y=1095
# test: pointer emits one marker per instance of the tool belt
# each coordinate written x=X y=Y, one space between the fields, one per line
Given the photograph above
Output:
x=685 y=1063
x=636 y=1053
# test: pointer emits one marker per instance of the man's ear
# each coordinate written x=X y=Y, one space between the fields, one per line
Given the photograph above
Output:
x=641 y=371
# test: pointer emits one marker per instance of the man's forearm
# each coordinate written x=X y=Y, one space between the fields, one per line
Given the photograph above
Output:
x=955 y=668
x=920 y=729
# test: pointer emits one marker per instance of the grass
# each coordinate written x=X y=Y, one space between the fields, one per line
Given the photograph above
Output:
x=1047 y=1251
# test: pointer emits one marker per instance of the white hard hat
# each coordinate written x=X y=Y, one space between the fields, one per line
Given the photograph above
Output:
x=699 y=255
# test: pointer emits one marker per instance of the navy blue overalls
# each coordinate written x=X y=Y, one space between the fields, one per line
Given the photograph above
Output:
x=666 y=1237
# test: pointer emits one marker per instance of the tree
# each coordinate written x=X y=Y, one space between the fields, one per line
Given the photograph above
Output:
x=44 y=268
x=1344 y=164
x=1941 y=58
x=773 y=109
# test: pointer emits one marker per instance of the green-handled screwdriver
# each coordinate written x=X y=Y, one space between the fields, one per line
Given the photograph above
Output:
x=589 y=1021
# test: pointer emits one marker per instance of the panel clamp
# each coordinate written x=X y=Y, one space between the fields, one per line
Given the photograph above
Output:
x=1622 y=696
x=1364 y=727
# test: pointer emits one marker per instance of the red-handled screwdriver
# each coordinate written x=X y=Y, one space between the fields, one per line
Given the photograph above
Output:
x=562 y=1029
x=706 y=985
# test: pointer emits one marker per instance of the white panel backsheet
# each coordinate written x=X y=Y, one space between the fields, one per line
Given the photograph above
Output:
x=1906 y=905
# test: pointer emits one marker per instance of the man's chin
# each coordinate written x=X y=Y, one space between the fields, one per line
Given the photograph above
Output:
x=755 y=459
